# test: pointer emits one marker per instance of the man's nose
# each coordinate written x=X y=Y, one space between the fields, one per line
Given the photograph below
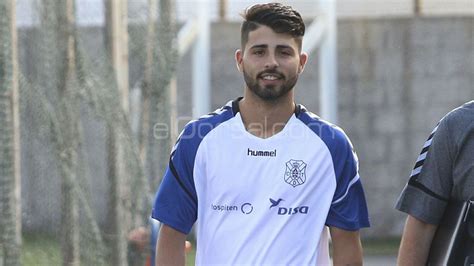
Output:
x=271 y=62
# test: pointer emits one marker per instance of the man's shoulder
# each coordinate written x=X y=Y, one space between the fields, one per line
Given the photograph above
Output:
x=460 y=119
x=197 y=129
x=466 y=109
x=330 y=133
x=319 y=125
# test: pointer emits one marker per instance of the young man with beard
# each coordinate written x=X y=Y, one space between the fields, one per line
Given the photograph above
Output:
x=262 y=177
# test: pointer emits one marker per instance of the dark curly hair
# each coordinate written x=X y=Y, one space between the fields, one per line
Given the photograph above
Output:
x=278 y=17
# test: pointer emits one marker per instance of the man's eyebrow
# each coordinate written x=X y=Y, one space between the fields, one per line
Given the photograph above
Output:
x=282 y=46
x=259 y=46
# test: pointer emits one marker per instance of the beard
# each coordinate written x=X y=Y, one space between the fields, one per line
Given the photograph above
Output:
x=270 y=92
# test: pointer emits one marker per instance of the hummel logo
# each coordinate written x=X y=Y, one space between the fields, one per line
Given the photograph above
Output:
x=262 y=153
x=275 y=202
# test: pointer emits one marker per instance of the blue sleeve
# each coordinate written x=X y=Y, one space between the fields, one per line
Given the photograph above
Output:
x=348 y=209
x=176 y=200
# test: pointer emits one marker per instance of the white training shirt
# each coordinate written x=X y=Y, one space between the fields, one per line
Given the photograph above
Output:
x=261 y=201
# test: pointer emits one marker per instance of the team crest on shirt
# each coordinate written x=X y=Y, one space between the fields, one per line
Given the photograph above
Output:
x=295 y=173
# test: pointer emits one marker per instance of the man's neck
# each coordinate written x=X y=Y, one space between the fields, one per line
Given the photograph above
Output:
x=266 y=118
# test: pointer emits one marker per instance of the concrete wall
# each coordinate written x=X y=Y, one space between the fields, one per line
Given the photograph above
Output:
x=397 y=78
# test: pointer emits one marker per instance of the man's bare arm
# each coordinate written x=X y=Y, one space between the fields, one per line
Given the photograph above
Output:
x=169 y=249
x=416 y=242
x=346 y=247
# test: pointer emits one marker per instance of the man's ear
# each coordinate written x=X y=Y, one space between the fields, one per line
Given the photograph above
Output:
x=238 y=59
x=303 y=61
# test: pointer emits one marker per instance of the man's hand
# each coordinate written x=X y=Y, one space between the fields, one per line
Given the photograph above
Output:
x=416 y=242
x=139 y=237
x=187 y=247
x=346 y=247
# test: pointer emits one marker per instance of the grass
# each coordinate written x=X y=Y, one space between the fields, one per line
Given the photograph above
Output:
x=381 y=247
x=40 y=250
x=44 y=250
x=191 y=256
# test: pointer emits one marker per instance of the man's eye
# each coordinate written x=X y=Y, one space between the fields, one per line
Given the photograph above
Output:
x=286 y=53
x=258 y=52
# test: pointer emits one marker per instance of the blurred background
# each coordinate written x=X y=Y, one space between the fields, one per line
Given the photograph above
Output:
x=93 y=94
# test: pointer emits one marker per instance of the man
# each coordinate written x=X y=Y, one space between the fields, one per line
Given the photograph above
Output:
x=262 y=176
x=444 y=171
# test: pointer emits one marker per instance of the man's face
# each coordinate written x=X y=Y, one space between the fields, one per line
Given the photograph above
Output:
x=270 y=63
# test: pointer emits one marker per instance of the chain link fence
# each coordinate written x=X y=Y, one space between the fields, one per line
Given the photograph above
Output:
x=88 y=164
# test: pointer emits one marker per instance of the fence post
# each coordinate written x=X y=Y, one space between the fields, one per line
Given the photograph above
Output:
x=10 y=178
x=119 y=215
